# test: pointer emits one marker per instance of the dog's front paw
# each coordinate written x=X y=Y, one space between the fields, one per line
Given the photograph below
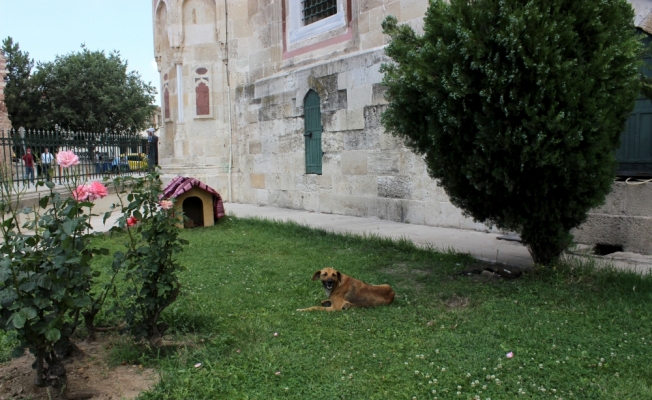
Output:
x=301 y=309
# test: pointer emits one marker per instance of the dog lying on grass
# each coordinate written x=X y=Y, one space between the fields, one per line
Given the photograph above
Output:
x=345 y=292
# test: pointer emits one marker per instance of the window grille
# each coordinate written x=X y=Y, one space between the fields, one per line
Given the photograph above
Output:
x=315 y=10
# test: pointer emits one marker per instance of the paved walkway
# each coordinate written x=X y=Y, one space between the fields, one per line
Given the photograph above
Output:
x=484 y=246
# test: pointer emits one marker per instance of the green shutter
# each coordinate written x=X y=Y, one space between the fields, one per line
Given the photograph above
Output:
x=312 y=133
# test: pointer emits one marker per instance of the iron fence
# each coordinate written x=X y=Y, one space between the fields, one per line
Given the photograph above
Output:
x=100 y=154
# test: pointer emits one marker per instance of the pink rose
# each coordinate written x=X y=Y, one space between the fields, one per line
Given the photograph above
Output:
x=67 y=159
x=81 y=193
x=97 y=191
x=131 y=221
x=166 y=204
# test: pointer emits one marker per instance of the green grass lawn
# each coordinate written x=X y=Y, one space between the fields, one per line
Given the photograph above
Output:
x=575 y=332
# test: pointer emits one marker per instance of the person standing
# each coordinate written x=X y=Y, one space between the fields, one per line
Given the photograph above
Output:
x=152 y=149
x=46 y=162
x=28 y=159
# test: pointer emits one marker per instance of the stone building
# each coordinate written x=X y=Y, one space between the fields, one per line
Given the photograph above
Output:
x=277 y=102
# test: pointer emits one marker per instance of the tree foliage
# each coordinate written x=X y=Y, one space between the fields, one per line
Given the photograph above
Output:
x=517 y=107
x=21 y=94
x=89 y=91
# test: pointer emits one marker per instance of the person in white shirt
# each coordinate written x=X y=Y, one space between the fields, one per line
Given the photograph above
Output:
x=46 y=162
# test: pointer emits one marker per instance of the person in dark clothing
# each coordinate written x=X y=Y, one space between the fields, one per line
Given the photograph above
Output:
x=46 y=161
x=152 y=149
x=28 y=159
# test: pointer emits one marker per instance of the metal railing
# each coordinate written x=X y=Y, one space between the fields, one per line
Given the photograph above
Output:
x=100 y=154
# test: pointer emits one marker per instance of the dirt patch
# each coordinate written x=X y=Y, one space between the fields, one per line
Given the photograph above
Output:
x=456 y=303
x=410 y=275
x=89 y=377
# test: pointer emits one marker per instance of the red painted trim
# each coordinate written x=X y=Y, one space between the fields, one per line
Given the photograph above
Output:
x=348 y=35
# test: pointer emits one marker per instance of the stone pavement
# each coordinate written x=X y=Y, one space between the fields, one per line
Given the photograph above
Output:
x=481 y=245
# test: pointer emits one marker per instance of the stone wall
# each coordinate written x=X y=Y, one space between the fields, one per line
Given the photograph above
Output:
x=624 y=220
x=365 y=172
x=5 y=123
x=259 y=65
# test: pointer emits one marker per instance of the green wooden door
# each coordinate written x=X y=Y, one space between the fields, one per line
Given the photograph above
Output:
x=635 y=152
x=312 y=134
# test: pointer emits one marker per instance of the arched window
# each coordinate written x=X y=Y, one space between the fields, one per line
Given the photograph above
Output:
x=203 y=101
x=312 y=134
x=166 y=101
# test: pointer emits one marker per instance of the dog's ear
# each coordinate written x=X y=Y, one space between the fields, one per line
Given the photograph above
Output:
x=315 y=276
x=339 y=276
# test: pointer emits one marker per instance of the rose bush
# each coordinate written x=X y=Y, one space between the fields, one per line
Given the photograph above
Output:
x=45 y=272
x=149 y=262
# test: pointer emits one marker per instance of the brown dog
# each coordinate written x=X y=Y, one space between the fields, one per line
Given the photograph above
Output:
x=344 y=292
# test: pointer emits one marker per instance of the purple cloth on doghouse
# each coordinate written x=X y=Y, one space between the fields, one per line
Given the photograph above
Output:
x=182 y=184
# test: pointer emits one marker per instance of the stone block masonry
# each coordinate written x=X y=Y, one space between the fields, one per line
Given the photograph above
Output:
x=5 y=123
x=234 y=76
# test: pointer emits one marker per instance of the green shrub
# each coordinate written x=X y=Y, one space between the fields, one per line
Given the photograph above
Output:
x=517 y=107
x=149 y=262
x=45 y=275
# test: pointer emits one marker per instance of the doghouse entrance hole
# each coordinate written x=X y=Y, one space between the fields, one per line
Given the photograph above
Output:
x=605 y=249
x=193 y=208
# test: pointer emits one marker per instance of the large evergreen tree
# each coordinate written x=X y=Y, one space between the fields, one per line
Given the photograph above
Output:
x=517 y=107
